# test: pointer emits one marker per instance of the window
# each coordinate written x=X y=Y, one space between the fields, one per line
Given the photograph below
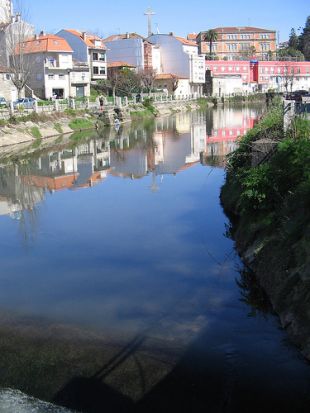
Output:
x=51 y=77
x=8 y=77
x=95 y=56
x=96 y=70
x=102 y=57
x=102 y=71
x=61 y=77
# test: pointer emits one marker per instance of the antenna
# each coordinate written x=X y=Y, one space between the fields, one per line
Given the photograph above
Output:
x=149 y=13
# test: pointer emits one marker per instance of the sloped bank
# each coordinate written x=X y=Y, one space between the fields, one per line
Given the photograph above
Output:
x=35 y=127
x=268 y=201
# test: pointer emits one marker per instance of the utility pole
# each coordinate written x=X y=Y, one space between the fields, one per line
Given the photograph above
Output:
x=149 y=13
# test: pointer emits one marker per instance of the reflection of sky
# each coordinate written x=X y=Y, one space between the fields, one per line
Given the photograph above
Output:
x=119 y=255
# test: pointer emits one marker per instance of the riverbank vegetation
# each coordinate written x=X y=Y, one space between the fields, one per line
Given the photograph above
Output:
x=269 y=205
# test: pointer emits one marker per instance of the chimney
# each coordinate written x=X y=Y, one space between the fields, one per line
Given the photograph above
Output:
x=127 y=35
x=42 y=33
x=84 y=35
x=171 y=34
x=17 y=18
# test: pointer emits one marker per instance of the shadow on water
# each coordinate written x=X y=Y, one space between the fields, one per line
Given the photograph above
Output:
x=200 y=382
x=253 y=294
x=210 y=377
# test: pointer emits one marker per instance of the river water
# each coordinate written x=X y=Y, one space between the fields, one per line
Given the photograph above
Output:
x=120 y=289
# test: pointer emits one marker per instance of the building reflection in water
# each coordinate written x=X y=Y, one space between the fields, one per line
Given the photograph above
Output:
x=166 y=146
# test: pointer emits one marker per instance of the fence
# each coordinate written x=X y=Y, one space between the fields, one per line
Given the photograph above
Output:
x=49 y=107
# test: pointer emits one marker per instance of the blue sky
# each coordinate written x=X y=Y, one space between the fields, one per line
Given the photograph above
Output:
x=180 y=17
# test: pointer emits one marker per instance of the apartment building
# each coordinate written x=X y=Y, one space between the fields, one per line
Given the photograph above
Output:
x=52 y=71
x=237 y=76
x=88 y=49
x=180 y=57
x=134 y=50
x=234 y=43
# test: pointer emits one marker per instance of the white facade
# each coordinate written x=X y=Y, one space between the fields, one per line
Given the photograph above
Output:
x=181 y=59
x=156 y=59
x=228 y=85
x=7 y=89
x=87 y=50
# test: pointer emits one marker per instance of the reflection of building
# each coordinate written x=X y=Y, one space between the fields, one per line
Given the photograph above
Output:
x=227 y=126
x=15 y=194
x=83 y=166
x=168 y=146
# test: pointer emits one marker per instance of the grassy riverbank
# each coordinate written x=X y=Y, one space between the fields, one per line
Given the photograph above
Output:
x=269 y=205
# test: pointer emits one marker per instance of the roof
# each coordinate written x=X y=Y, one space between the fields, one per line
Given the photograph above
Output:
x=165 y=76
x=242 y=29
x=123 y=36
x=120 y=64
x=192 y=36
x=185 y=41
x=46 y=43
x=88 y=38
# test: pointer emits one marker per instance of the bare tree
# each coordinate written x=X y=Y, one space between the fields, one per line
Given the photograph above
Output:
x=148 y=77
x=288 y=78
x=174 y=82
x=19 y=57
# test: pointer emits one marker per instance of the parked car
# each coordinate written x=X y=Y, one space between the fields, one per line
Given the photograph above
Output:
x=26 y=103
x=3 y=103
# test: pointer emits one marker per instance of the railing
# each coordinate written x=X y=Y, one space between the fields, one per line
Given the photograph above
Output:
x=61 y=105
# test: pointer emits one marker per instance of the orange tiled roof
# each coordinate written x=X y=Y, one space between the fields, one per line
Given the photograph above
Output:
x=88 y=39
x=245 y=29
x=120 y=64
x=192 y=36
x=185 y=41
x=45 y=43
x=164 y=76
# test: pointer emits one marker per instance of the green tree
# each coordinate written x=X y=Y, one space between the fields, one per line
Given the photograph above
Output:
x=288 y=53
x=210 y=36
x=305 y=39
x=293 y=40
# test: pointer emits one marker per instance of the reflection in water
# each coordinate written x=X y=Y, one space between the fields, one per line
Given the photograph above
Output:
x=125 y=299
x=167 y=146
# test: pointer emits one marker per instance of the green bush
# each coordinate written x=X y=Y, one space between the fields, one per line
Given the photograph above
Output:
x=81 y=123
x=35 y=132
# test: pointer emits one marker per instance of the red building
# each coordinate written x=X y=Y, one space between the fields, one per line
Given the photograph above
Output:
x=278 y=75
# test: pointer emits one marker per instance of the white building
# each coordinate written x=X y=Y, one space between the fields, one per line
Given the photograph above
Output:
x=88 y=49
x=52 y=71
x=135 y=50
x=7 y=88
x=13 y=30
x=180 y=57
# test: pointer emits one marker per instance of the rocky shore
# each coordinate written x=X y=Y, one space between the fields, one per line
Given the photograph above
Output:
x=268 y=202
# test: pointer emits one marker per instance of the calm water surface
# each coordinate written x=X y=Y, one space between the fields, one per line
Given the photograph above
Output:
x=119 y=289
